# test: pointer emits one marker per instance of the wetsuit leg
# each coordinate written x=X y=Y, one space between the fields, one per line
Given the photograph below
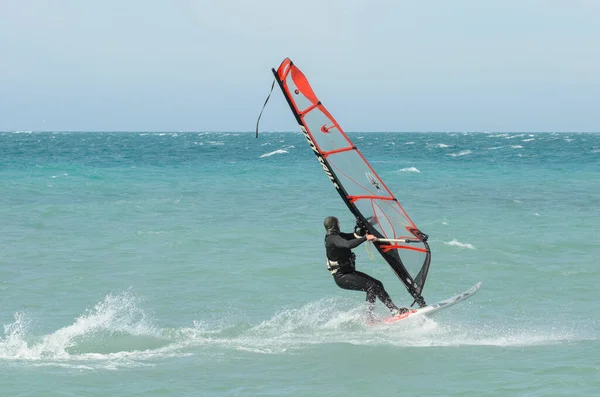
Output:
x=359 y=281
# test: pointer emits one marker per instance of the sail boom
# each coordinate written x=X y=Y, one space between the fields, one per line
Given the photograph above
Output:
x=397 y=240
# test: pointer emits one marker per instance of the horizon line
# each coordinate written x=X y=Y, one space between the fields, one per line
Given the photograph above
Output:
x=293 y=132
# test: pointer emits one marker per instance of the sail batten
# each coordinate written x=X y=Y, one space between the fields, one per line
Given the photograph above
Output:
x=345 y=149
x=363 y=191
x=356 y=198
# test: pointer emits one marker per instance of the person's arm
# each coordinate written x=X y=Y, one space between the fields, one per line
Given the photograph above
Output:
x=352 y=236
x=341 y=241
x=349 y=236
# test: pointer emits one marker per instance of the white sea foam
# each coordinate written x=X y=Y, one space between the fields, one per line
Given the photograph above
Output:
x=514 y=136
x=278 y=151
x=517 y=147
x=409 y=169
x=332 y=320
x=457 y=243
x=116 y=332
x=458 y=154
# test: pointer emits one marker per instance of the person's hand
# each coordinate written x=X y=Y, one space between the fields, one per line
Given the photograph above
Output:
x=370 y=237
x=360 y=229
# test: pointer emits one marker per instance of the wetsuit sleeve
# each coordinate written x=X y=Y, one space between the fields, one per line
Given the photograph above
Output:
x=340 y=242
x=347 y=236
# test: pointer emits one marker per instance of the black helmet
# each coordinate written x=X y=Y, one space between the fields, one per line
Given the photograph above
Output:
x=331 y=223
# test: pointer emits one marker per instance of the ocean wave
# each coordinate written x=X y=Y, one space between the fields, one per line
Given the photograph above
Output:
x=458 y=154
x=457 y=243
x=517 y=147
x=409 y=169
x=117 y=334
x=278 y=151
x=330 y=320
x=110 y=335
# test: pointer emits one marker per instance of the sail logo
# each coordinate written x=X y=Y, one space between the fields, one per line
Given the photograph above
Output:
x=373 y=181
x=321 y=159
x=325 y=129
x=309 y=139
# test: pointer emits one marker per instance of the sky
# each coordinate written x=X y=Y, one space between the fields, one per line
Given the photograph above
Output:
x=395 y=65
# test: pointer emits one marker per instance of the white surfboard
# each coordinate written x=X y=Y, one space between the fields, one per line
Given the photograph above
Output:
x=429 y=309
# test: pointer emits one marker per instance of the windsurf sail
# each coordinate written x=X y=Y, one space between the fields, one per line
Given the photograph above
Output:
x=403 y=246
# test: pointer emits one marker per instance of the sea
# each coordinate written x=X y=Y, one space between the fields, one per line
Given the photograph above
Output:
x=192 y=264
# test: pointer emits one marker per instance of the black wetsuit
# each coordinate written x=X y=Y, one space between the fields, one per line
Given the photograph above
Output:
x=338 y=248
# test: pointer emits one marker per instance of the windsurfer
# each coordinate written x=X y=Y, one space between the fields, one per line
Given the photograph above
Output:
x=341 y=264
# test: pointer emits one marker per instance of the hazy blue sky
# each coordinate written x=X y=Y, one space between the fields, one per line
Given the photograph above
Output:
x=461 y=65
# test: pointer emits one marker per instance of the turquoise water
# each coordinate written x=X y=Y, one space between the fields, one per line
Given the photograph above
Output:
x=191 y=264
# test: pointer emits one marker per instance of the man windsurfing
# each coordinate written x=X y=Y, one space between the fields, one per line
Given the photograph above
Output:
x=341 y=262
